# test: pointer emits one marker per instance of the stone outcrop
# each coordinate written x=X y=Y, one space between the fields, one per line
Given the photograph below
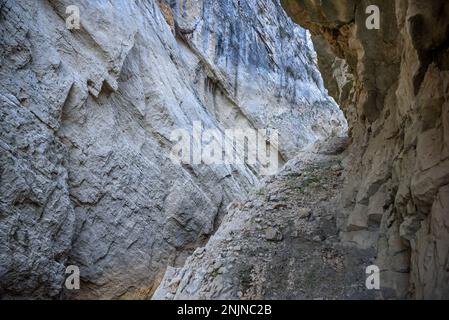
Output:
x=253 y=54
x=393 y=86
x=85 y=142
x=86 y=118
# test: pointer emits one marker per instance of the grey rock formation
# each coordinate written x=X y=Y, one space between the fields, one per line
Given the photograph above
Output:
x=392 y=84
x=279 y=243
x=253 y=53
x=86 y=118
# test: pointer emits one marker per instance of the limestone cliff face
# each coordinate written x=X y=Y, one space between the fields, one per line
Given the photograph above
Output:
x=86 y=118
x=252 y=53
x=393 y=85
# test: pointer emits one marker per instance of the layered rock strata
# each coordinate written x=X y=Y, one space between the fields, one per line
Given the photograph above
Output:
x=86 y=120
x=281 y=242
x=393 y=85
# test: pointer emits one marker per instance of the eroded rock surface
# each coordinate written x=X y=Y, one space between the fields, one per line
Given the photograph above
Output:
x=393 y=85
x=86 y=118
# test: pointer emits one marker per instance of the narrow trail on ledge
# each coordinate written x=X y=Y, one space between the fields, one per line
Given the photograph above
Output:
x=281 y=243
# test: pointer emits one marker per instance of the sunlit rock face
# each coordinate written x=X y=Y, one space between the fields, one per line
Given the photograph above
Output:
x=86 y=122
x=253 y=54
x=393 y=85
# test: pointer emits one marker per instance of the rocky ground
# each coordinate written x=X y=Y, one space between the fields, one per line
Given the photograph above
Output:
x=280 y=243
x=86 y=123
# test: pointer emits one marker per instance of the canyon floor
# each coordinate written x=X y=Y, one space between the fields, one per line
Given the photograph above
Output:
x=280 y=243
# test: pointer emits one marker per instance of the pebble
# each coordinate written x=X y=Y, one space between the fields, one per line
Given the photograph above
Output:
x=272 y=234
x=304 y=212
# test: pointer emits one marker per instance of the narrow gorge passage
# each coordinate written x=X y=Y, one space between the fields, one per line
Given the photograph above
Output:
x=134 y=139
x=280 y=243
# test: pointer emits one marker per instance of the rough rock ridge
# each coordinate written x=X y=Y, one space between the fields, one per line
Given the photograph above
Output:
x=86 y=118
x=281 y=242
x=393 y=86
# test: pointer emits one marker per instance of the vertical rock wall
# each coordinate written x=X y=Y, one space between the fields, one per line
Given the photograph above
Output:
x=393 y=85
x=86 y=119
x=252 y=53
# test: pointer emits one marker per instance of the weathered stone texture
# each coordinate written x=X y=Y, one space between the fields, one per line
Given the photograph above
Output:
x=393 y=85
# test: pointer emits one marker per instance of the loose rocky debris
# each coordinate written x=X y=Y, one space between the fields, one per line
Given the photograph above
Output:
x=281 y=243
